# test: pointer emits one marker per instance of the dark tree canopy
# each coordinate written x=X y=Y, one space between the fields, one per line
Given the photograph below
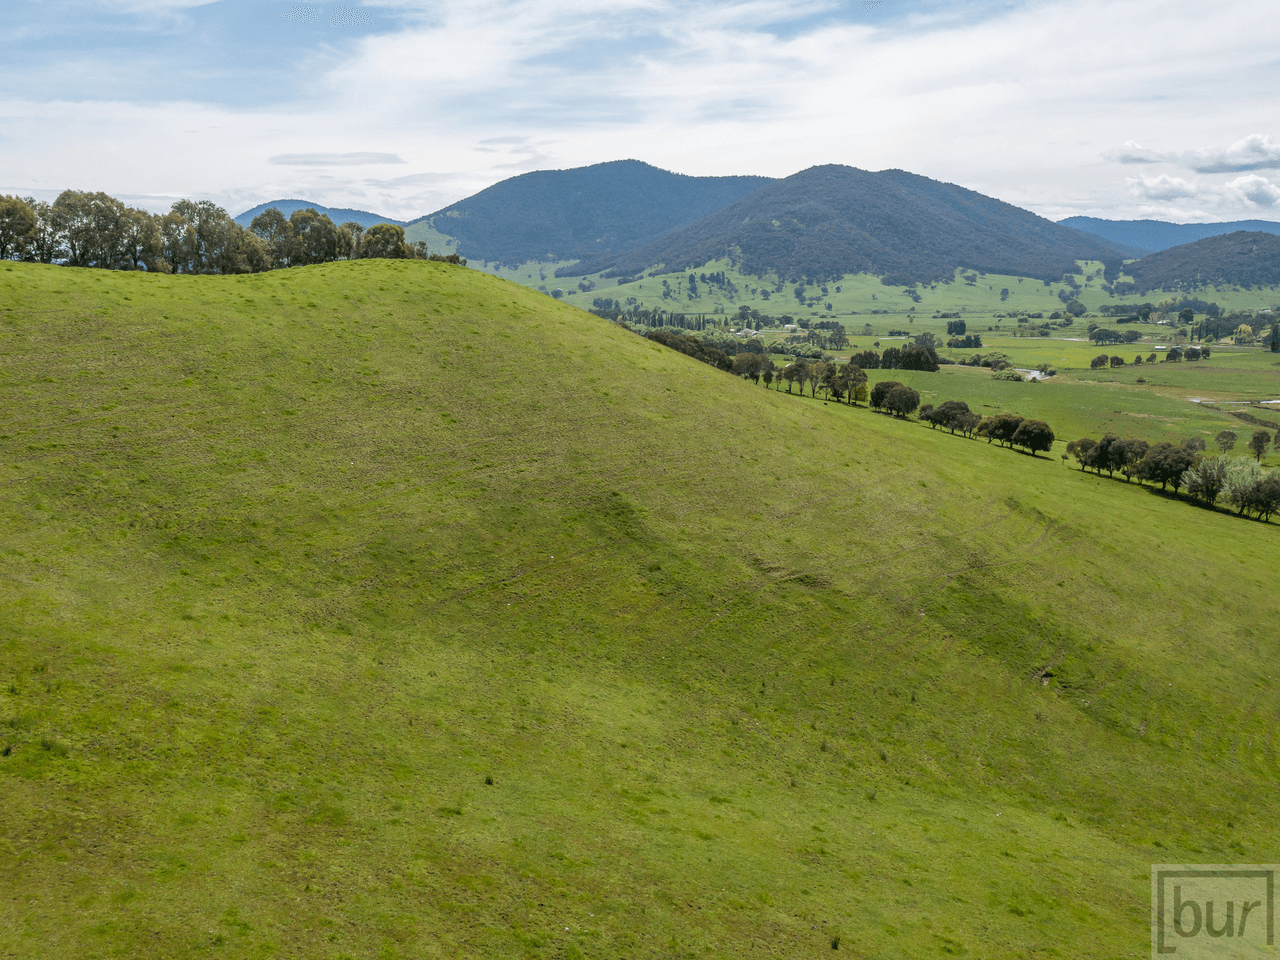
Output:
x=1034 y=435
x=902 y=400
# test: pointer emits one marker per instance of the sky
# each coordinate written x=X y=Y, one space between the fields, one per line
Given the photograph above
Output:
x=1165 y=109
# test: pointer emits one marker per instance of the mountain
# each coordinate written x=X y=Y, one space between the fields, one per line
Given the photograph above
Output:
x=583 y=213
x=1244 y=259
x=828 y=221
x=336 y=214
x=1152 y=236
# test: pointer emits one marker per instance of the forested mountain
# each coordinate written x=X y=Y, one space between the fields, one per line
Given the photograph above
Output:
x=336 y=214
x=1152 y=236
x=584 y=213
x=832 y=220
x=1244 y=258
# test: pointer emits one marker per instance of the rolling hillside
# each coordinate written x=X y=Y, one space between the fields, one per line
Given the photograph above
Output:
x=588 y=212
x=830 y=221
x=1241 y=259
x=388 y=609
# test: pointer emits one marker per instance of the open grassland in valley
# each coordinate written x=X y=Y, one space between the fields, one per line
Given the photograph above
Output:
x=391 y=609
x=855 y=299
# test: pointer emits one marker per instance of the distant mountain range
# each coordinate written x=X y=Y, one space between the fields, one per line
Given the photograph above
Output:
x=1152 y=236
x=583 y=214
x=626 y=217
x=828 y=221
x=336 y=214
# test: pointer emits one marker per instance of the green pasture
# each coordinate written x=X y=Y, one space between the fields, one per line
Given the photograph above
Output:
x=1074 y=408
x=391 y=609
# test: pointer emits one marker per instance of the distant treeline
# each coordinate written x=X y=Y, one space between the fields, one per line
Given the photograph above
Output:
x=196 y=236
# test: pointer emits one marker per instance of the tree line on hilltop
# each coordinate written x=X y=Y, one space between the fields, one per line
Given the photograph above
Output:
x=82 y=229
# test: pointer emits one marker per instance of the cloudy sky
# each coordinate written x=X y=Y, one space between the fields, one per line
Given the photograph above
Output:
x=1141 y=108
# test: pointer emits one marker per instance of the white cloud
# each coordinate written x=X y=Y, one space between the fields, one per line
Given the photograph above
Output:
x=1133 y=152
x=1019 y=102
x=1161 y=188
x=1255 y=152
x=1254 y=191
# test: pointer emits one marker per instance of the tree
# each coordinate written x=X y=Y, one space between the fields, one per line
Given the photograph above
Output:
x=1002 y=427
x=1098 y=362
x=866 y=360
x=384 y=241
x=314 y=238
x=1035 y=435
x=952 y=415
x=1226 y=440
x=920 y=355
x=1082 y=449
x=1206 y=478
x=17 y=227
x=1117 y=361
x=817 y=372
x=1243 y=334
x=141 y=241
x=1165 y=463
x=1194 y=444
x=748 y=366
x=350 y=234
x=852 y=377
x=1125 y=455
x=1241 y=474
x=880 y=391
x=1137 y=359
x=901 y=401
x=1258 y=443
x=796 y=371
x=891 y=359
x=1262 y=497
x=276 y=233
x=93 y=227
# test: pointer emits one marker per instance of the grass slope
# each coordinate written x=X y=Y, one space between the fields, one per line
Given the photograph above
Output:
x=286 y=583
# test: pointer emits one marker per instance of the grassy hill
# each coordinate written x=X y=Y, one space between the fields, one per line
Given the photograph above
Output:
x=389 y=609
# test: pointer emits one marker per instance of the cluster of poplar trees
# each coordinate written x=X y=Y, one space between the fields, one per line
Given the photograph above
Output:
x=82 y=229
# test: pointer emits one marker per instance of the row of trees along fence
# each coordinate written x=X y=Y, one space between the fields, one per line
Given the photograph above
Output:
x=1172 y=355
x=1239 y=481
x=195 y=236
